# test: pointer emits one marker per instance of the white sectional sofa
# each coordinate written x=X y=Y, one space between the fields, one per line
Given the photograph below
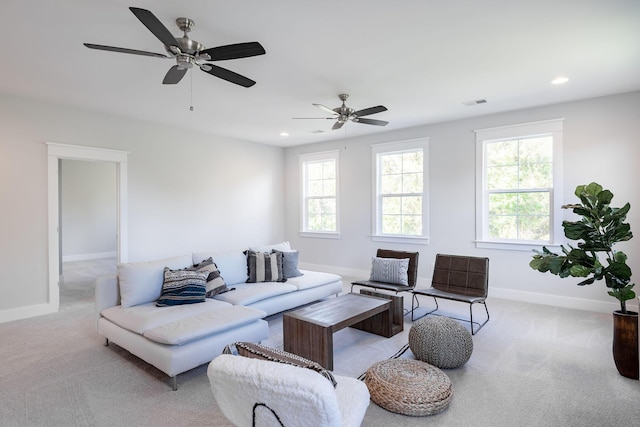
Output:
x=178 y=338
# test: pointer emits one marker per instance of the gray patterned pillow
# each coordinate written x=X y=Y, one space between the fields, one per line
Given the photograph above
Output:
x=215 y=283
x=264 y=267
x=390 y=270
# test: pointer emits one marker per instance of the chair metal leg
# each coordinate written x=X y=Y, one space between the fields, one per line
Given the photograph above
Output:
x=174 y=382
x=480 y=325
x=415 y=303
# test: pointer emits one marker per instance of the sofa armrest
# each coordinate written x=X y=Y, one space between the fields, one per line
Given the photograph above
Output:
x=107 y=292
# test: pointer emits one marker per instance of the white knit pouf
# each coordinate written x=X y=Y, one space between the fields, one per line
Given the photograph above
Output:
x=440 y=341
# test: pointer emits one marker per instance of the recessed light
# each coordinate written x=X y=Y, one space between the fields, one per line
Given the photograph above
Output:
x=559 y=80
x=284 y=133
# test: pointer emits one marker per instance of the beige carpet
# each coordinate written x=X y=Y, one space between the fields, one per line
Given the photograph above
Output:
x=532 y=365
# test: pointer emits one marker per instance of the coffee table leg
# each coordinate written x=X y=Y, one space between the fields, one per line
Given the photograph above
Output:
x=308 y=340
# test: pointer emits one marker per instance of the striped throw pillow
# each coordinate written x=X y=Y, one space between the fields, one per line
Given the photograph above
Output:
x=182 y=287
x=265 y=267
x=390 y=270
x=215 y=283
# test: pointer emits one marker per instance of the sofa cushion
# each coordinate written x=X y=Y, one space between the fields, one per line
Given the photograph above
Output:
x=290 y=264
x=312 y=279
x=142 y=317
x=249 y=293
x=231 y=265
x=258 y=351
x=265 y=267
x=215 y=283
x=141 y=282
x=182 y=287
x=192 y=328
x=390 y=270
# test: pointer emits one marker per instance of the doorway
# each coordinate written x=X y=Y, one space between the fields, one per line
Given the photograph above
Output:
x=56 y=153
x=87 y=229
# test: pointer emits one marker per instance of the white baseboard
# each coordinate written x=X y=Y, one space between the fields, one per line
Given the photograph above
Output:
x=26 y=312
x=502 y=293
x=555 y=300
x=85 y=257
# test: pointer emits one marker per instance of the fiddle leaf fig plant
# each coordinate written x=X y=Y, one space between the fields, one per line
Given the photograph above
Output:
x=599 y=229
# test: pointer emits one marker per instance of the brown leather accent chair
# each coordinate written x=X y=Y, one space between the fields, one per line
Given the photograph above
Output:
x=458 y=278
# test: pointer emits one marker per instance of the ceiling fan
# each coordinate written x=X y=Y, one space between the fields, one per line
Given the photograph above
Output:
x=344 y=114
x=187 y=52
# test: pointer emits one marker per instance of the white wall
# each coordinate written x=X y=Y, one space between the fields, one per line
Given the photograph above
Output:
x=601 y=143
x=88 y=202
x=188 y=191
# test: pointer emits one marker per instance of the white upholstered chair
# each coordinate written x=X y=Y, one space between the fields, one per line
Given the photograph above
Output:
x=254 y=392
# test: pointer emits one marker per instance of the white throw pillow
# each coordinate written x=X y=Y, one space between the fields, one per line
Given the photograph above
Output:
x=141 y=282
x=232 y=267
x=282 y=247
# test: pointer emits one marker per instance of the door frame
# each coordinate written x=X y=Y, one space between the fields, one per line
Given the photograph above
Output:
x=55 y=153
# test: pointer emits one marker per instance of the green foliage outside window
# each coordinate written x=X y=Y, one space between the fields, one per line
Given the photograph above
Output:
x=401 y=187
x=519 y=175
x=321 y=191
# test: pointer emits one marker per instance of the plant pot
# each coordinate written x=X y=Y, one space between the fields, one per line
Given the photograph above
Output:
x=625 y=343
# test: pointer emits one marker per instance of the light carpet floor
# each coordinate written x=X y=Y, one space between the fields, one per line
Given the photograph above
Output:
x=532 y=365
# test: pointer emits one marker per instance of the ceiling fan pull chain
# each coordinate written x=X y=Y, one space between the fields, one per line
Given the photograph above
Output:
x=191 y=78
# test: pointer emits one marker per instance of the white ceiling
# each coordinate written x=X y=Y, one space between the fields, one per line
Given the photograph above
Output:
x=422 y=59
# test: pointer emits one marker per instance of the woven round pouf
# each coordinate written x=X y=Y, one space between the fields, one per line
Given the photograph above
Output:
x=409 y=387
x=440 y=341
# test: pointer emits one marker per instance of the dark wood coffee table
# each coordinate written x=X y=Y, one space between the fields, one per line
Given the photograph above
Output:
x=308 y=331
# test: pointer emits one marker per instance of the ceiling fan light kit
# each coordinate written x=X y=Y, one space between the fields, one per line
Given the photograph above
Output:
x=189 y=53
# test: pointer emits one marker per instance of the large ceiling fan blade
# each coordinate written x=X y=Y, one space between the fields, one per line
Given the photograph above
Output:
x=371 y=110
x=370 y=122
x=174 y=75
x=234 y=51
x=125 y=50
x=324 y=108
x=155 y=26
x=337 y=125
x=227 y=75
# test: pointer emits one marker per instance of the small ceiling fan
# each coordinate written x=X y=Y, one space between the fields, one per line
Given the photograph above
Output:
x=187 y=52
x=344 y=114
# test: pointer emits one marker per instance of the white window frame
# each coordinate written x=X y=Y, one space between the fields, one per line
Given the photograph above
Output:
x=315 y=157
x=398 y=147
x=553 y=127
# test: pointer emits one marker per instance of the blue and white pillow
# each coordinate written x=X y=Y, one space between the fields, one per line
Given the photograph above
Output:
x=182 y=287
x=390 y=270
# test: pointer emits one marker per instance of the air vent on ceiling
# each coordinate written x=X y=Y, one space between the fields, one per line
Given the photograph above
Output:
x=316 y=131
x=475 y=102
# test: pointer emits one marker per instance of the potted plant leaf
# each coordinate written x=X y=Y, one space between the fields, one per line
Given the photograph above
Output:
x=597 y=231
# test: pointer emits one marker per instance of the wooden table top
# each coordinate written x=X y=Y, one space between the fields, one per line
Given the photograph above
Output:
x=342 y=311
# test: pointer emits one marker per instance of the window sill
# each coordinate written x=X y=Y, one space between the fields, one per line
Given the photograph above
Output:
x=320 y=234
x=514 y=246
x=401 y=239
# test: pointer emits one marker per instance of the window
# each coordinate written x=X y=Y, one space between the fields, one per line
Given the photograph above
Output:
x=518 y=185
x=319 y=205
x=400 y=192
